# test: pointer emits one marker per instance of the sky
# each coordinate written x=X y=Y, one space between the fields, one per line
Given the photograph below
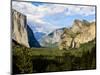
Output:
x=46 y=17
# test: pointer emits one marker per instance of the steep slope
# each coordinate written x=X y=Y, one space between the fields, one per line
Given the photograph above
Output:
x=74 y=59
x=21 y=32
x=52 y=39
x=39 y=35
x=88 y=35
x=64 y=38
x=81 y=32
x=31 y=39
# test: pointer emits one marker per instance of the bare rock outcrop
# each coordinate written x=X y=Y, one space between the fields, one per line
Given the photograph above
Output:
x=81 y=32
x=19 y=32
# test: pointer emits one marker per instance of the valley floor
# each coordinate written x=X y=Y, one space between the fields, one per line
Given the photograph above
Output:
x=38 y=60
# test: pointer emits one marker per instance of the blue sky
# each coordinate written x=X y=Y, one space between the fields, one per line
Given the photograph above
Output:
x=46 y=17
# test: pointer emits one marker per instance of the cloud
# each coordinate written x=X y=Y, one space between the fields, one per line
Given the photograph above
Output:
x=40 y=11
x=35 y=14
x=40 y=25
x=45 y=9
x=49 y=9
x=53 y=8
x=80 y=10
x=26 y=8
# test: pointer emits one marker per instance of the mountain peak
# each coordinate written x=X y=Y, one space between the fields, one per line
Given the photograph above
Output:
x=72 y=37
x=77 y=21
x=21 y=32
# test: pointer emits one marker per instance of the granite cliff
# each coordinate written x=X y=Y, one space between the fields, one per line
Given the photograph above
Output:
x=64 y=38
x=21 y=32
x=81 y=32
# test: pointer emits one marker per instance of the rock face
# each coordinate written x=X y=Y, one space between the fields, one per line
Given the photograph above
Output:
x=31 y=39
x=21 y=32
x=64 y=38
x=88 y=34
x=81 y=32
x=52 y=39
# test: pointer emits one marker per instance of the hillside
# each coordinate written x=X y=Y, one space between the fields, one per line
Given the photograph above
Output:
x=64 y=38
x=52 y=37
x=21 y=32
x=33 y=60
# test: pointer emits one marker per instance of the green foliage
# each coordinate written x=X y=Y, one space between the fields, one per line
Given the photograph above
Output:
x=32 y=60
x=23 y=60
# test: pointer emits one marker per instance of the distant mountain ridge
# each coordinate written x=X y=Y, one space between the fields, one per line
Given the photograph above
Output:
x=64 y=38
x=31 y=38
x=39 y=35
x=52 y=39
x=80 y=32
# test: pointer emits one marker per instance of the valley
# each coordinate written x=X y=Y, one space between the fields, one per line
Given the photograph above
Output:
x=63 y=49
x=38 y=60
